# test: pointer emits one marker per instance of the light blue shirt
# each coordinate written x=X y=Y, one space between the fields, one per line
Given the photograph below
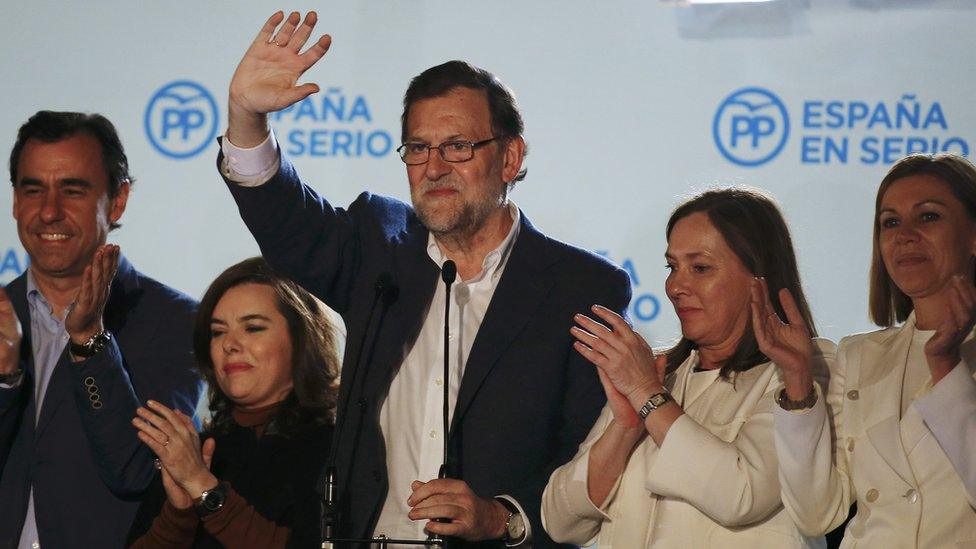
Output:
x=48 y=338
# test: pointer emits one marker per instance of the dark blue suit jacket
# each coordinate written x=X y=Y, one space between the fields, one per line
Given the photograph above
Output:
x=526 y=400
x=87 y=466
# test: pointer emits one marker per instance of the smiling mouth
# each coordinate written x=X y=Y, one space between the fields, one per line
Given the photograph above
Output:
x=909 y=261
x=236 y=368
x=53 y=237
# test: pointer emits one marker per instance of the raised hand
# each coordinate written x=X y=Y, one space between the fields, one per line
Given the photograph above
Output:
x=787 y=344
x=10 y=335
x=942 y=350
x=266 y=78
x=173 y=438
x=621 y=354
x=85 y=317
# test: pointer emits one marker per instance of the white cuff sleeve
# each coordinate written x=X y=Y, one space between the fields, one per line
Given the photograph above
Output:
x=250 y=167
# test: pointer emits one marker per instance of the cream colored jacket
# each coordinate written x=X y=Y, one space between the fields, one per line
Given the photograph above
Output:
x=923 y=497
x=712 y=483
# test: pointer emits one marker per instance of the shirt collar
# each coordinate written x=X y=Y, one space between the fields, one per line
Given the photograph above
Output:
x=491 y=267
x=36 y=300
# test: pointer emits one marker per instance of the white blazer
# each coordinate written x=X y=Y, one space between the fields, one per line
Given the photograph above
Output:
x=923 y=497
x=712 y=483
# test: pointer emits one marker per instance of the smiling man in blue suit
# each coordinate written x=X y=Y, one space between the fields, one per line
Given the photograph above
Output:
x=99 y=339
x=520 y=399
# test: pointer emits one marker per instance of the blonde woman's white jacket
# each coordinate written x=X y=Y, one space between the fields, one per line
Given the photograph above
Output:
x=923 y=497
x=712 y=483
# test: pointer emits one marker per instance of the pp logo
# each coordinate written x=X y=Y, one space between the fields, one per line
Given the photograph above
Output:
x=751 y=126
x=181 y=119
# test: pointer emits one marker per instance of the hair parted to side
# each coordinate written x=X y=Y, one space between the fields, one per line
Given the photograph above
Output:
x=889 y=305
x=315 y=358
x=506 y=120
x=52 y=126
x=754 y=229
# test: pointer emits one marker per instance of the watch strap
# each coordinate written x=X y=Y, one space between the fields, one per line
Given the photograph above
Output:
x=92 y=347
x=791 y=405
x=212 y=500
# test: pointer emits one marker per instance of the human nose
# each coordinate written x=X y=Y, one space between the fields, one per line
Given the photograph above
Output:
x=436 y=166
x=675 y=286
x=906 y=232
x=230 y=343
x=51 y=210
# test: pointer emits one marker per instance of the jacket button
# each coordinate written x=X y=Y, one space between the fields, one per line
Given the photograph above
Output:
x=89 y=381
x=872 y=495
x=850 y=445
x=361 y=402
x=853 y=394
x=911 y=495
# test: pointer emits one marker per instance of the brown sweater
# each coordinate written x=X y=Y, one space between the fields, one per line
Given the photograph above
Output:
x=236 y=524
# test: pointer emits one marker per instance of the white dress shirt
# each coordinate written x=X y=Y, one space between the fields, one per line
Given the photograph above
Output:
x=411 y=417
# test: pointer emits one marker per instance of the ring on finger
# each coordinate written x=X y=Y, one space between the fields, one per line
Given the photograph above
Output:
x=166 y=442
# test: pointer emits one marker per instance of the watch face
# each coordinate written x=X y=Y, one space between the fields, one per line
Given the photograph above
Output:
x=516 y=527
x=658 y=400
x=213 y=500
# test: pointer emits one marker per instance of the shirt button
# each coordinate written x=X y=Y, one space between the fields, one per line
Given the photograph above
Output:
x=450 y=336
x=853 y=395
x=432 y=433
x=439 y=381
x=872 y=495
x=911 y=495
x=35 y=545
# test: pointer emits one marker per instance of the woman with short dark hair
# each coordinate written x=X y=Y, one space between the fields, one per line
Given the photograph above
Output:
x=682 y=454
x=268 y=351
x=897 y=430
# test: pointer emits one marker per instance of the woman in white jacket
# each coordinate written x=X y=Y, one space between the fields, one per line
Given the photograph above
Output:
x=682 y=455
x=903 y=399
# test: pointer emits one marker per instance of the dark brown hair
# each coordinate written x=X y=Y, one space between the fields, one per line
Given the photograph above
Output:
x=889 y=305
x=754 y=229
x=51 y=127
x=315 y=360
x=506 y=120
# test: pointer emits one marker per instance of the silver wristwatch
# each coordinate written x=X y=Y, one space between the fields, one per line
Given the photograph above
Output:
x=654 y=402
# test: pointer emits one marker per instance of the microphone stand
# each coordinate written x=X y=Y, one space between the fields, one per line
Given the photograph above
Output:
x=330 y=520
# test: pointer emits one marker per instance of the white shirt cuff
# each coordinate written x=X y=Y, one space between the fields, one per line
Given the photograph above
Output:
x=250 y=167
x=525 y=519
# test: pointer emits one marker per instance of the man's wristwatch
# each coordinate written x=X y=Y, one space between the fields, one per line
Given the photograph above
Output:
x=789 y=405
x=515 y=525
x=92 y=347
x=211 y=500
x=654 y=402
x=11 y=378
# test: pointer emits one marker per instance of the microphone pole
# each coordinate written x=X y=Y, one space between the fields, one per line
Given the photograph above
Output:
x=448 y=275
x=329 y=519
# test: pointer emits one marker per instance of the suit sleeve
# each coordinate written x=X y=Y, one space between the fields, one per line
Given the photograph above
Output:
x=735 y=483
x=108 y=388
x=949 y=411
x=301 y=234
x=813 y=468
x=582 y=402
x=568 y=513
x=11 y=410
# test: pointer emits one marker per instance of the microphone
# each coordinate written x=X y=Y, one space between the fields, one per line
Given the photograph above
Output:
x=385 y=294
x=448 y=275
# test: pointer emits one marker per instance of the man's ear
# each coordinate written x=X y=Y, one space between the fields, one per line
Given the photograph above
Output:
x=117 y=206
x=514 y=154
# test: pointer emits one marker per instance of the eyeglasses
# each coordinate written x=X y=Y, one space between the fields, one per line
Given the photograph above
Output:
x=414 y=154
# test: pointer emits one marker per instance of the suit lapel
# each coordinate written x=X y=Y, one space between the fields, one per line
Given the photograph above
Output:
x=882 y=371
x=524 y=285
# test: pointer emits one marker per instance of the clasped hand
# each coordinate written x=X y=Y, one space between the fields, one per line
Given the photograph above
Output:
x=174 y=439
x=628 y=368
x=471 y=517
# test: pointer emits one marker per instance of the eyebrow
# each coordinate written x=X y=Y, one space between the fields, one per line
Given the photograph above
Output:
x=414 y=139
x=68 y=182
x=245 y=318
x=917 y=205
x=690 y=255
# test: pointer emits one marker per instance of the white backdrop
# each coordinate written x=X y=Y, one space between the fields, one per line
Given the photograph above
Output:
x=629 y=106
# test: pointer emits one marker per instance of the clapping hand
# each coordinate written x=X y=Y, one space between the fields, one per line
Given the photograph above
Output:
x=10 y=335
x=627 y=366
x=173 y=438
x=942 y=350
x=85 y=317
